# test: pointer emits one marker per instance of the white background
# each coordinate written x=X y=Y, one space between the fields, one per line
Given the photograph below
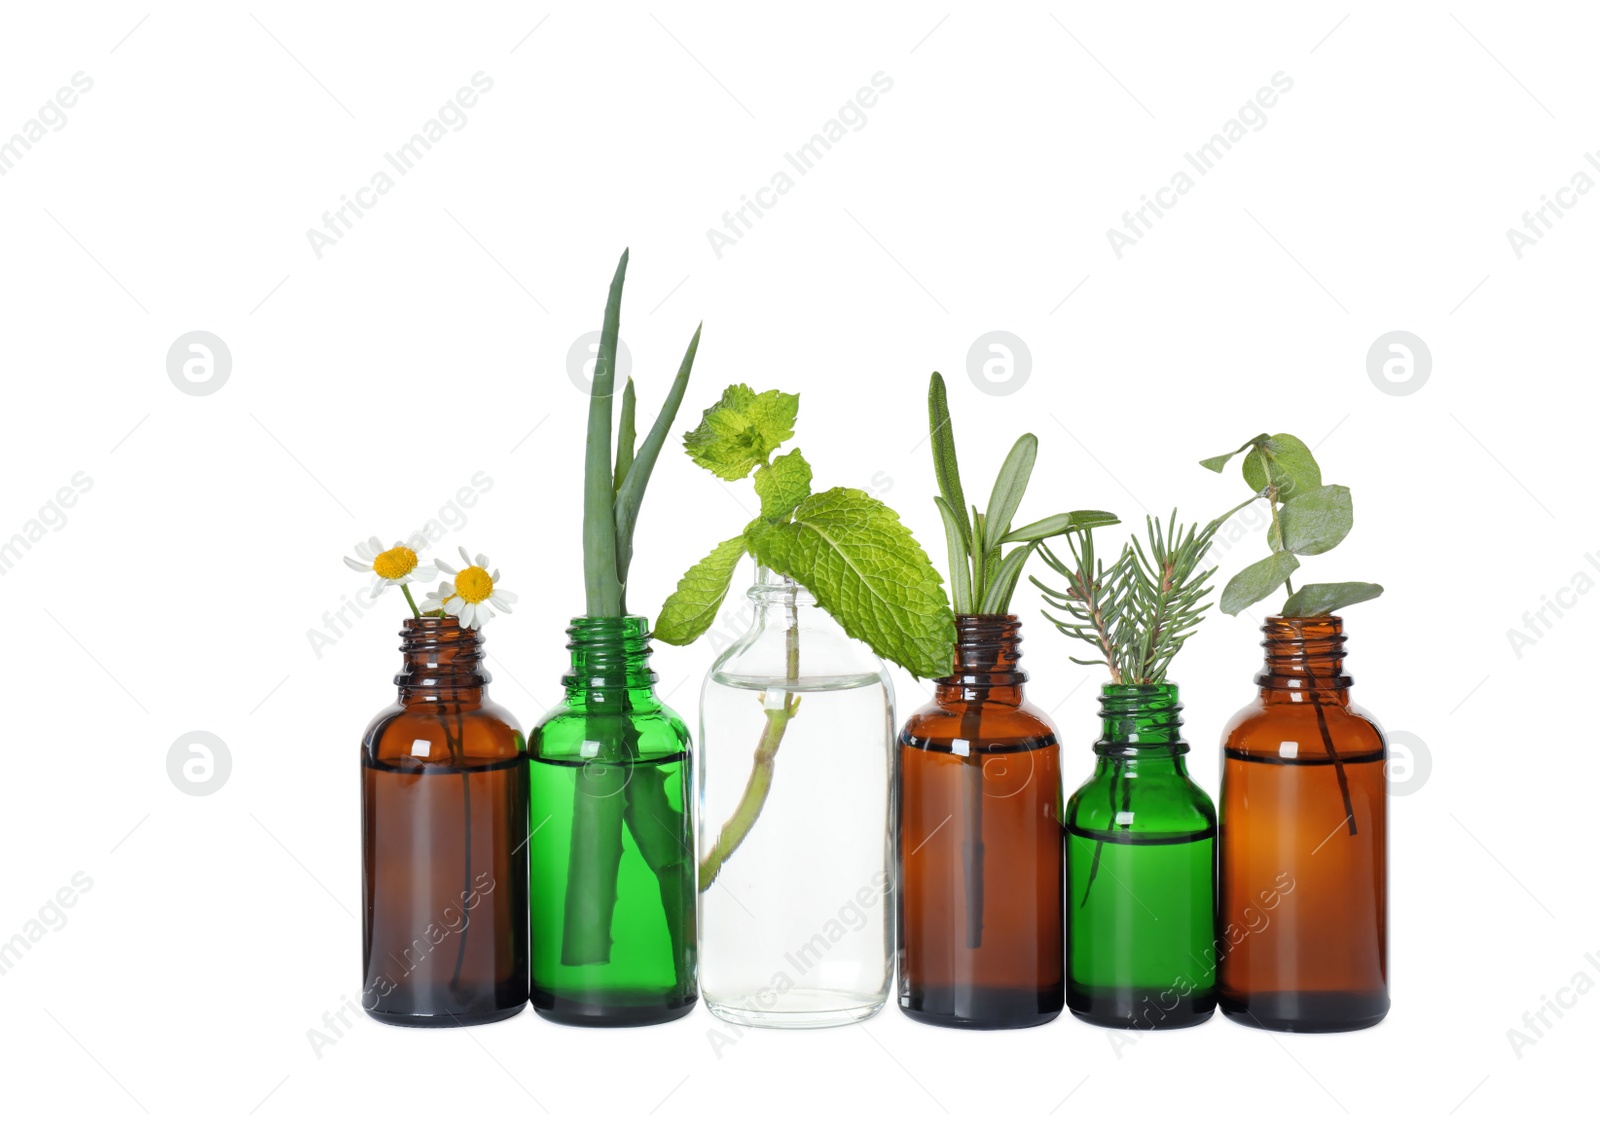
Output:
x=430 y=343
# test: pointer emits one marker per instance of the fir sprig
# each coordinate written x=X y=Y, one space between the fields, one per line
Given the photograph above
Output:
x=1138 y=613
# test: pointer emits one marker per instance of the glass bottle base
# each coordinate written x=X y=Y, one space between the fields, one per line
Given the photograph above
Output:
x=1307 y=1012
x=1138 y=1008
x=799 y=1010
x=396 y=1018
x=611 y=1011
x=984 y=1008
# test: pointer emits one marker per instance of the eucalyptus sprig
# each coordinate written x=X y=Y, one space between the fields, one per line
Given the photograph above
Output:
x=982 y=581
x=1308 y=518
x=1138 y=613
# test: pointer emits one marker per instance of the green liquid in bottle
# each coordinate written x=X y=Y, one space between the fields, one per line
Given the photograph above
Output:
x=1140 y=953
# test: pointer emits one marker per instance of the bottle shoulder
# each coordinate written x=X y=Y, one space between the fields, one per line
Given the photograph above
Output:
x=571 y=732
x=1168 y=803
x=416 y=731
x=938 y=722
x=1274 y=727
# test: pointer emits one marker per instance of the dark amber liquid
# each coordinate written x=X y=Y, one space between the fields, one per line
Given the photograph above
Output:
x=994 y=962
x=446 y=939
x=1312 y=958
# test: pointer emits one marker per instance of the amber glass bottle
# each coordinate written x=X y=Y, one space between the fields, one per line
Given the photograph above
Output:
x=444 y=813
x=979 y=844
x=1302 y=929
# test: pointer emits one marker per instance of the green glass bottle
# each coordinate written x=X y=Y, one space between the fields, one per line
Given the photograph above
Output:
x=1141 y=840
x=610 y=844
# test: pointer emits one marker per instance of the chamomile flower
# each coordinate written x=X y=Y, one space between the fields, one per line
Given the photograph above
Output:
x=475 y=595
x=393 y=567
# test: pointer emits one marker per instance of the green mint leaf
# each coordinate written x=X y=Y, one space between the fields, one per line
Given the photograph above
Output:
x=783 y=485
x=868 y=572
x=690 y=610
x=741 y=430
x=1315 y=600
x=1284 y=461
x=1215 y=465
x=1257 y=581
x=1312 y=522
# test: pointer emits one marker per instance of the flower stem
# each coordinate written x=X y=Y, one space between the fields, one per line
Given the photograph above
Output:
x=406 y=591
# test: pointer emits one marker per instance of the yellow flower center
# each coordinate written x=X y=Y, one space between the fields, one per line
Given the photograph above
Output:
x=396 y=564
x=474 y=584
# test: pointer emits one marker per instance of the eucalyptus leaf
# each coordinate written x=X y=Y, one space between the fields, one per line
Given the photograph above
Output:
x=1285 y=462
x=1311 y=523
x=1216 y=464
x=1257 y=582
x=1320 y=599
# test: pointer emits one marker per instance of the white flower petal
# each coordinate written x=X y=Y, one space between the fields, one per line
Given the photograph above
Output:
x=494 y=576
x=482 y=560
x=500 y=604
x=464 y=555
x=443 y=567
x=429 y=604
x=455 y=604
x=356 y=565
x=375 y=545
x=422 y=573
x=509 y=597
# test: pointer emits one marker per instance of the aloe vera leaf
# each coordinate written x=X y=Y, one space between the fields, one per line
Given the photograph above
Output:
x=602 y=590
x=629 y=497
x=593 y=863
x=656 y=828
x=625 y=437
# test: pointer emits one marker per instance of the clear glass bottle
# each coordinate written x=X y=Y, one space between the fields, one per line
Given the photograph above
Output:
x=980 y=844
x=796 y=749
x=610 y=843
x=1141 y=856
x=444 y=810
x=1303 y=915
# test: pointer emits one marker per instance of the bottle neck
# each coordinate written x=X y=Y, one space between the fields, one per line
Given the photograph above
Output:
x=443 y=664
x=610 y=662
x=1305 y=660
x=782 y=604
x=1141 y=722
x=985 y=670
